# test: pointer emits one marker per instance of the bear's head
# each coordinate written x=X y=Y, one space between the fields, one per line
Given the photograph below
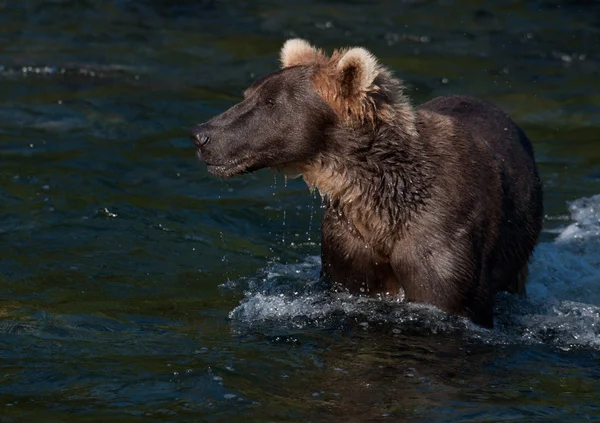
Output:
x=288 y=118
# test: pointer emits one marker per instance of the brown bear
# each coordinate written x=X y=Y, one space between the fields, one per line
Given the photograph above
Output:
x=441 y=201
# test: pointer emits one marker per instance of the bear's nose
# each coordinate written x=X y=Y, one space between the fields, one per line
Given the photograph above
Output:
x=203 y=139
x=200 y=137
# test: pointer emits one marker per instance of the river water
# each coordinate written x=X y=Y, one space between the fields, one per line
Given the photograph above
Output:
x=135 y=287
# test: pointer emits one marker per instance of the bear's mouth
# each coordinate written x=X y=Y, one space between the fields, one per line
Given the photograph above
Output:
x=227 y=170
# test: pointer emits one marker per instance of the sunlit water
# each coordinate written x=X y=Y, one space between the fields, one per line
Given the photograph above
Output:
x=136 y=287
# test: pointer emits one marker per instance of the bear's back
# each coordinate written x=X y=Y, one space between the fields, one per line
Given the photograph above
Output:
x=511 y=159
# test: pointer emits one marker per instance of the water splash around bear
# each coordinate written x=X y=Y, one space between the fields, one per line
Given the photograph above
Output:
x=562 y=307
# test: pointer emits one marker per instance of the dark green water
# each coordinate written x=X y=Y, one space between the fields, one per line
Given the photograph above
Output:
x=134 y=287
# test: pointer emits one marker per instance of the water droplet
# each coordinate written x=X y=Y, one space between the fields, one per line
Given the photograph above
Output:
x=283 y=232
x=310 y=220
x=108 y=212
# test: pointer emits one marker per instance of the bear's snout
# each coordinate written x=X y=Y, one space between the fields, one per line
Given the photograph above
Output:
x=200 y=136
x=202 y=140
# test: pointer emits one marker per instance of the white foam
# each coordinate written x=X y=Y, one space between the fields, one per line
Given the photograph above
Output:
x=562 y=307
x=563 y=304
x=586 y=215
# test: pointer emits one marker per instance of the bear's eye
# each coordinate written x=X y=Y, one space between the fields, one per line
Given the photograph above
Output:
x=270 y=103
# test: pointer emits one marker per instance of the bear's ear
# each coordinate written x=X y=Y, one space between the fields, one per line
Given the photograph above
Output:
x=357 y=69
x=299 y=52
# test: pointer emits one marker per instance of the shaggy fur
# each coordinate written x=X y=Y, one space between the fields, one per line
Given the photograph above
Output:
x=441 y=201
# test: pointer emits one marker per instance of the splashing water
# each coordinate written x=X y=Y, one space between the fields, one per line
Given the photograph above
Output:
x=283 y=225
x=562 y=307
x=310 y=221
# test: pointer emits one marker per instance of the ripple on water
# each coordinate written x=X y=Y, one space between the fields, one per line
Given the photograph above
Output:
x=562 y=307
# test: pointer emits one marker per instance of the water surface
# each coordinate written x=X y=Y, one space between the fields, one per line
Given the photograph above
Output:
x=136 y=287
